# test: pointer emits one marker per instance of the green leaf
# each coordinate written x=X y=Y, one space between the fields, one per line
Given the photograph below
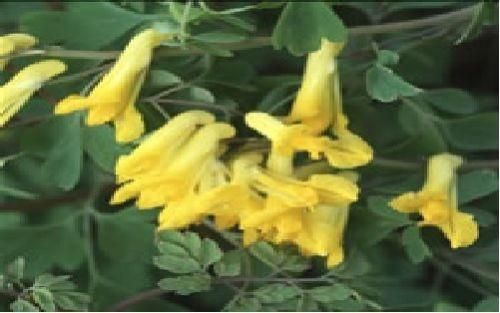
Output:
x=15 y=270
x=415 y=247
x=417 y=120
x=59 y=142
x=283 y=257
x=387 y=57
x=302 y=25
x=21 y=305
x=384 y=85
x=266 y=252
x=476 y=184
x=100 y=144
x=209 y=253
x=485 y=13
x=451 y=100
x=43 y=297
x=388 y=219
x=295 y=263
x=355 y=265
x=327 y=294
x=49 y=281
x=177 y=10
x=489 y=304
x=64 y=160
x=72 y=301
x=219 y=37
x=230 y=264
x=162 y=78
x=477 y=132
x=245 y=304
x=275 y=293
x=186 y=284
x=36 y=245
x=184 y=253
x=16 y=192
x=483 y=217
x=444 y=306
x=115 y=228
x=84 y=25
x=201 y=94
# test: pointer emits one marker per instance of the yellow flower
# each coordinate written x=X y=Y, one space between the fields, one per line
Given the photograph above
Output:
x=21 y=87
x=318 y=103
x=158 y=149
x=172 y=161
x=311 y=214
x=13 y=43
x=347 y=151
x=317 y=230
x=437 y=202
x=114 y=97
x=323 y=228
x=318 y=106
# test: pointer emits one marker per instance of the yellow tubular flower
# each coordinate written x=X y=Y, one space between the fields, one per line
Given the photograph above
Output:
x=158 y=149
x=13 y=43
x=322 y=232
x=113 y=98
x=318 y=230
x=346 y=152
x=437 y=202
x=318 y=101
x=21 y=87
x=180 y=177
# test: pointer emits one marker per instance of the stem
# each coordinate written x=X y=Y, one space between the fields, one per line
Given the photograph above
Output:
x=137 y=298
x=257 y=42
x=462 y=279
x=89 y=247
x=458 y=15
x=273 y=280
x=9 y=293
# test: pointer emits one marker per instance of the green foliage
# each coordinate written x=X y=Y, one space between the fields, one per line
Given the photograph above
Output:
x=59 y=143
x=184 y=253
x=92 y=25
x=302 y=25
x=63 y=247
x=489 y=304
x=100 y=145
x=327 y=294
x=229 y=264
x=186 y=284
x=450 y=100
x=473 y=133
x=383 y=84
x=275 y=293
x=283 y=258
x=36 y=244
x=476 y=184
x=48 y=292
x=415 y=247
x=387 y=218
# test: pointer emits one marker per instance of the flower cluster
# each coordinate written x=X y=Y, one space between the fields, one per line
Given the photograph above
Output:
x=183 y=166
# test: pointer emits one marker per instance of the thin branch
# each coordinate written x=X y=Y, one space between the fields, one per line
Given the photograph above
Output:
x=41 y=204
x=137 y=298
x=258 y=42
x=9 y=293
x=458 y=15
